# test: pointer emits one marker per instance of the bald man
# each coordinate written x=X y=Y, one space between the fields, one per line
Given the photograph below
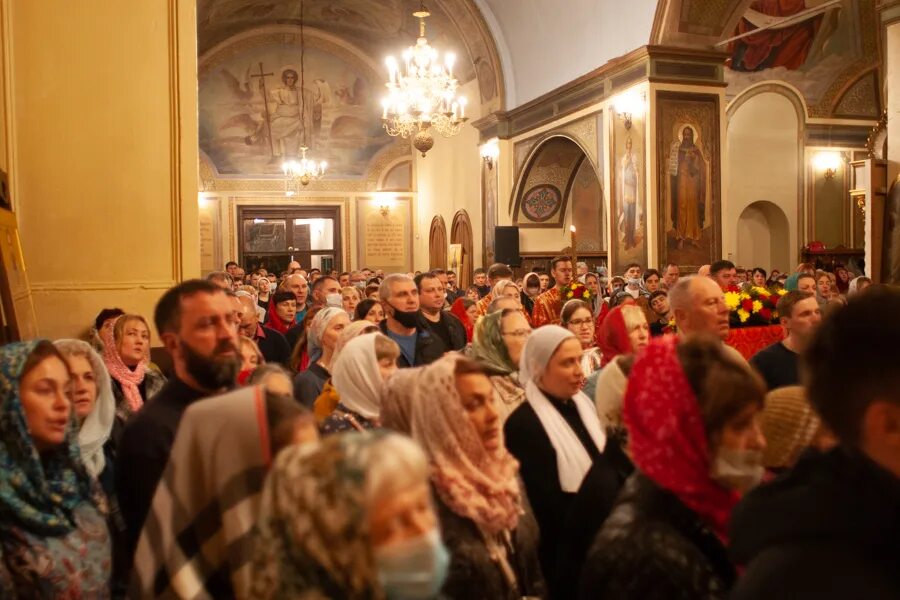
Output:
x=703 y=271
x=297 y=283
x=698 y=304
x=273 y=345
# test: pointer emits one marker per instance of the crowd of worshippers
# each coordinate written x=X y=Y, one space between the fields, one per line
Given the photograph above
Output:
x=362 y=435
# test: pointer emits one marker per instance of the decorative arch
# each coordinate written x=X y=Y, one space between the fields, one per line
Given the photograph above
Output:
x=461 y=233
x=763 y=236
x=437 y=244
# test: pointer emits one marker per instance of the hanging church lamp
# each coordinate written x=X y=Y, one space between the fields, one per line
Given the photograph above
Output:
x=302 y=170
x=422 y=96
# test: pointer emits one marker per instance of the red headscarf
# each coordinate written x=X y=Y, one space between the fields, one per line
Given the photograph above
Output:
x=612 y=338
x=275 y=322
x=458 y=310
x=667 y=435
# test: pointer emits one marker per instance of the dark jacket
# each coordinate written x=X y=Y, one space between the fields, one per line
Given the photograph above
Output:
x=308 y=384
x=450 y=328
x=830 y=528
x=473 y=575
x=654 y=547
x=428 y=347
x=273 y=346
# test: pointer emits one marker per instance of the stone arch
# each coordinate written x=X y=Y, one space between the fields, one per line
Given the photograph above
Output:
x=461 y=233
x=437 y=243
x=763 y=237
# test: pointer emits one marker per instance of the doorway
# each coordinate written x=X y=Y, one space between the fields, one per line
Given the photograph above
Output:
x=271 y=237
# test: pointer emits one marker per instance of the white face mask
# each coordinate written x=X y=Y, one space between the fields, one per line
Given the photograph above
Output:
x=333 y=300
x=739 y=470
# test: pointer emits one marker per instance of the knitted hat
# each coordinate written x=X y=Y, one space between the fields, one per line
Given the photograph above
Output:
x=789 y=424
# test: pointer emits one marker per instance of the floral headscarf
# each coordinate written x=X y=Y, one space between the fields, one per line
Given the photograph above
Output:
x=38 y=495
x=473 y=483
x=313 y=529
x=668 y=437
x=488 y=347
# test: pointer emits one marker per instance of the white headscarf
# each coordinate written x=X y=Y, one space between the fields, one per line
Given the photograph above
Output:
x=572 y=460
x=97 y=426
x=356 y=377
x=317 y=330
x=500 y=286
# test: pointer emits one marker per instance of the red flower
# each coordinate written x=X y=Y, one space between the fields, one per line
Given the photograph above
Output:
x=765 y=314
x=747 y=305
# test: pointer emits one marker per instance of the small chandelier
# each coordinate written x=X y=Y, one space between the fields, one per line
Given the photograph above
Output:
x=304 y=169
x=424 y=95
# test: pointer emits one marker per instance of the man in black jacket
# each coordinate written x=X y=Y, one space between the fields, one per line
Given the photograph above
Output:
x=404 y=323
x=432 y=298
x=272 y=344
x=829 y=527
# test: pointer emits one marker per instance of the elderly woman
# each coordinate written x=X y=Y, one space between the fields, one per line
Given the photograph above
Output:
x=54 y=541
x=125 y=351
x=499 y=340
x=350 y=519
x=692 y=414
x=557 y=439
x=197 y=539
x=623 y=334
x=359 y=375
x=484 y=516
x=577 y=317
x=323 y=334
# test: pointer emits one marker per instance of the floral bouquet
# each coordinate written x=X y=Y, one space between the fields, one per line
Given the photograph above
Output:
x=753 y=306
x=576 y=291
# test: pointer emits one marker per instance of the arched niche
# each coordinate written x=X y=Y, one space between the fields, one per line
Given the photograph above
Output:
x=461 y=233
x=765 y=157
x=559 y=178
x=437 y=243
x=762 y=237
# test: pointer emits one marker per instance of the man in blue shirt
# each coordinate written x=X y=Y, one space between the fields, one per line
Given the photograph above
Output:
x=403 y=323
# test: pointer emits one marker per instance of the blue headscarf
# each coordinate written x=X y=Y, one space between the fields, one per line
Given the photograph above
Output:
x=37 y=495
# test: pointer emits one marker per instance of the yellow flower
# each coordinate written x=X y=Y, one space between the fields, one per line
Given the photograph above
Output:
x=570 y=294
x=760 y=290
x=743 y=315
x=757 y=306
x=732 y=299
x=745 y=296
x=782 y=292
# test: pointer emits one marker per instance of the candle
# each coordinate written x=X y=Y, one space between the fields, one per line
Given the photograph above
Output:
x=574 y=252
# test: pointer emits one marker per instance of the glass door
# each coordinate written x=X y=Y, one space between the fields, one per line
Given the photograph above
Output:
x=273 y=236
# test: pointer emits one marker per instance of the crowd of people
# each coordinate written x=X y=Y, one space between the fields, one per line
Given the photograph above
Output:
x=307 y=434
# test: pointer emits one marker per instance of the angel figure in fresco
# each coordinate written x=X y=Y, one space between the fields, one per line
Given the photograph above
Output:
x=688 y=171
x=628 y=195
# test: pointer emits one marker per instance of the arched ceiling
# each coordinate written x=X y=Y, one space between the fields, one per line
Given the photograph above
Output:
x=377 y=27
x=544 y=44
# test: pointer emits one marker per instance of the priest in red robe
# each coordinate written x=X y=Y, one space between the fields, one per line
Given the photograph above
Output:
x=548 y=305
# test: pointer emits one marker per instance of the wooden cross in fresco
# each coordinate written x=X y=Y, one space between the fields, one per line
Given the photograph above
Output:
x=262 y=84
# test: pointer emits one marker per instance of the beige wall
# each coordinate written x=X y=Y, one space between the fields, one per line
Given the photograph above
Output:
x=762 y=154
x=104 y=115
x=448 y=179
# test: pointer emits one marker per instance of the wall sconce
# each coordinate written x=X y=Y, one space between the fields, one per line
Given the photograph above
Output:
x=490 y=151
x=828 y=163
x=385 y=204
x=628 y=104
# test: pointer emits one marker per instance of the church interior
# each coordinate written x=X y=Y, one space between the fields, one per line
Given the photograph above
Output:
x=145 y=143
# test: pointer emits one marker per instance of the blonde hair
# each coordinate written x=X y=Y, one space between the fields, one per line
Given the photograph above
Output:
x=245 y=341
x=633 y=316
x=386 y=348
x=119 y=327
x=350 y=289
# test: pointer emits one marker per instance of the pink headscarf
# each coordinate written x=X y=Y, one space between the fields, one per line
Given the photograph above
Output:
x=128 y=379
x=473 y=483
x=667 y=436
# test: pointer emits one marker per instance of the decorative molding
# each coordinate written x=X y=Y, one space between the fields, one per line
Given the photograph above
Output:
x=90 y=286
x=175 y=191
x=647 y=63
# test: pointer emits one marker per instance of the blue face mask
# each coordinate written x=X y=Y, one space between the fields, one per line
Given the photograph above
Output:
x=413 y=569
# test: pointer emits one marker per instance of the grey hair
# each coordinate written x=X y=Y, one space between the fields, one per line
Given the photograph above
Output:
x=680 y=294
x=395 y=463
x=385 y=290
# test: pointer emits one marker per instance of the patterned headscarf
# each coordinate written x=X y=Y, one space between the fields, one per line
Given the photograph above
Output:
x=40 y=496
x=313 y=528
x=474 y=483
x=489 y=349
x=397 y=399
x=129 y=379
x=667 y=435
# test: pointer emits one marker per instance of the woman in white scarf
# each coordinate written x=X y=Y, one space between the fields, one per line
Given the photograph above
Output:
x=94 y=407
x=559 y=442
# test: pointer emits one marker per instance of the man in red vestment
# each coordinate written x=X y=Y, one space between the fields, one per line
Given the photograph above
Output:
x=548 y=305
